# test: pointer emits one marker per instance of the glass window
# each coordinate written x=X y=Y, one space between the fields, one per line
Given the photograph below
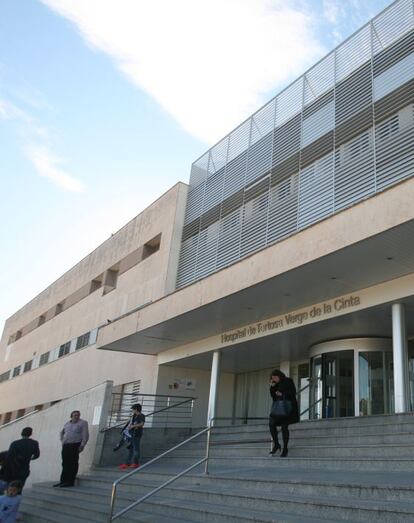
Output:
x=64 y=349
x=44 y=358
x=375 y=383
x=82 y=341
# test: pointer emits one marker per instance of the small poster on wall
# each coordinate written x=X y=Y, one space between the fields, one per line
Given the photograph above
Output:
x=183 y=384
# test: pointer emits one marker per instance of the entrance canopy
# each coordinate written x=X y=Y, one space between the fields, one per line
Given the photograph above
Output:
x=357 y=249
x=293 y=345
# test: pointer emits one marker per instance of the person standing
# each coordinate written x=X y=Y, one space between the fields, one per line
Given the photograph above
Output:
x=21 y=452
x=283 y=390
x=135 y=428
x=74 y=436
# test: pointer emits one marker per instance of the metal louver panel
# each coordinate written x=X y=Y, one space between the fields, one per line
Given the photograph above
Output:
x=187 y=264
x=353 y=53
x=253 y=235
x=235 y=175
x=353 y=94
x=199 y=170
x=309 y=152
x=318 y=124
x=213 y=190
x=320 y=79
x=207 y=250
x=194 y=203
x=394 y=54
x=395 y=148
x=229 y=238
x=289 y=102
x=392 y=24
x=315 y=191
x=394 y=77
x=354 y=170
x=283 y=209
x=286 y=141
x=260 y=150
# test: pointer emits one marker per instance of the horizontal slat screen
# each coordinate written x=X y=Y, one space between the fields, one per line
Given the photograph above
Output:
x=339 y=134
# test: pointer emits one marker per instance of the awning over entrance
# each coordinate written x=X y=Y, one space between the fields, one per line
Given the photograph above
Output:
x=303 y=270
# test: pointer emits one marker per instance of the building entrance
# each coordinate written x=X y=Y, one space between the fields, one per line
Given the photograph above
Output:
x=332 y=385
x=351 y=378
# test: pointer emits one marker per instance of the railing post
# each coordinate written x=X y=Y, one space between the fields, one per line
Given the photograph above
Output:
x=208 y=449
x=112 y=504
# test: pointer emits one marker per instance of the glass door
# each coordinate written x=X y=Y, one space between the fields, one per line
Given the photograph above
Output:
x=332 y=385
x=339 y=384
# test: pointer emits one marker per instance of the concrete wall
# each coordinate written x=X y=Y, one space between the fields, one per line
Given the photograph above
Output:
x=147 y=281
x=201 y=379
x=154 y=441
x=47 y=425
x=75 y=372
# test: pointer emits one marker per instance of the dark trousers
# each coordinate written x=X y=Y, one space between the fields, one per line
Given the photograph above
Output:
x=70 y=462
x=134 y=451
x=273 y=431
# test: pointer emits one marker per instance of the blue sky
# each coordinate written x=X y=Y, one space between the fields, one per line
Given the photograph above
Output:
x=104 y=104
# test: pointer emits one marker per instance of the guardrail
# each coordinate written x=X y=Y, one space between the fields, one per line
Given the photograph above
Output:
x=164 y=410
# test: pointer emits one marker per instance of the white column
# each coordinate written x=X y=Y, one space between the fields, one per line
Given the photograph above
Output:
x=400 y=358
x=214 y=383
x=284 y=366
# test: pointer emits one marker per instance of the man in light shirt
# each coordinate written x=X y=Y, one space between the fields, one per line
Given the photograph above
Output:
x=74 y=436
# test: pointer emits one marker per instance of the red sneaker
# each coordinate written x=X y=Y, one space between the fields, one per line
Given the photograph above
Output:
x=134 y=466
x=123 y=466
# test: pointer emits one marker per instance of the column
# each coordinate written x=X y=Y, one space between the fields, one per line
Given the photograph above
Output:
x=284 y=366
x=214 y=383
x=400 y=358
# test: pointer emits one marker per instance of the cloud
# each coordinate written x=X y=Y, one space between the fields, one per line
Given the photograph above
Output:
x=37 y=147
x=46 y=164
x=208 y=64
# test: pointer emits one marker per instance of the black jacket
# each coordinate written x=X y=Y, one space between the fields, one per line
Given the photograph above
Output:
x=288 y=390
x=19 y=455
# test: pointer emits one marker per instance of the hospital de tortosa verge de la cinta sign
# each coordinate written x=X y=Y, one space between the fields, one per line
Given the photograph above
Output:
x=291 y=319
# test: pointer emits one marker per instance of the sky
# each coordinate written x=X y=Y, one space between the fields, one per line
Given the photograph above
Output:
x=104 y=105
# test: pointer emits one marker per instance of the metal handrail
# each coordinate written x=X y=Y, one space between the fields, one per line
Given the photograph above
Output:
x=188 y=400
x=310 y=406
x=19 y=419
x=115 y=484
x=205 y=460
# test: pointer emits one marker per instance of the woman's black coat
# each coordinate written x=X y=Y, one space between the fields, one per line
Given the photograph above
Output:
x=288 y=390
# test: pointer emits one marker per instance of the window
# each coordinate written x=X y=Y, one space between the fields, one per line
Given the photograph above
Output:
x=110 y=280
x=64 y=349
x=41 y=320
x=59 y=308
x=20 y=413
x=16 y=371
x=95 y=284
x=18 y=335
x=4 y=376
x=151 y=246
x=44 y=358
x=82 y=341
x=39 y=407
x=28 y=366
x=7 y=417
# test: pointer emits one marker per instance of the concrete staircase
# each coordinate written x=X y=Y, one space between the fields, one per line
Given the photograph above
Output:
x=349 y=469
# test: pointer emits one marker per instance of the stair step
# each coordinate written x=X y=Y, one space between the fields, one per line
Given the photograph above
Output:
x=33 y=514
x=367 y=486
